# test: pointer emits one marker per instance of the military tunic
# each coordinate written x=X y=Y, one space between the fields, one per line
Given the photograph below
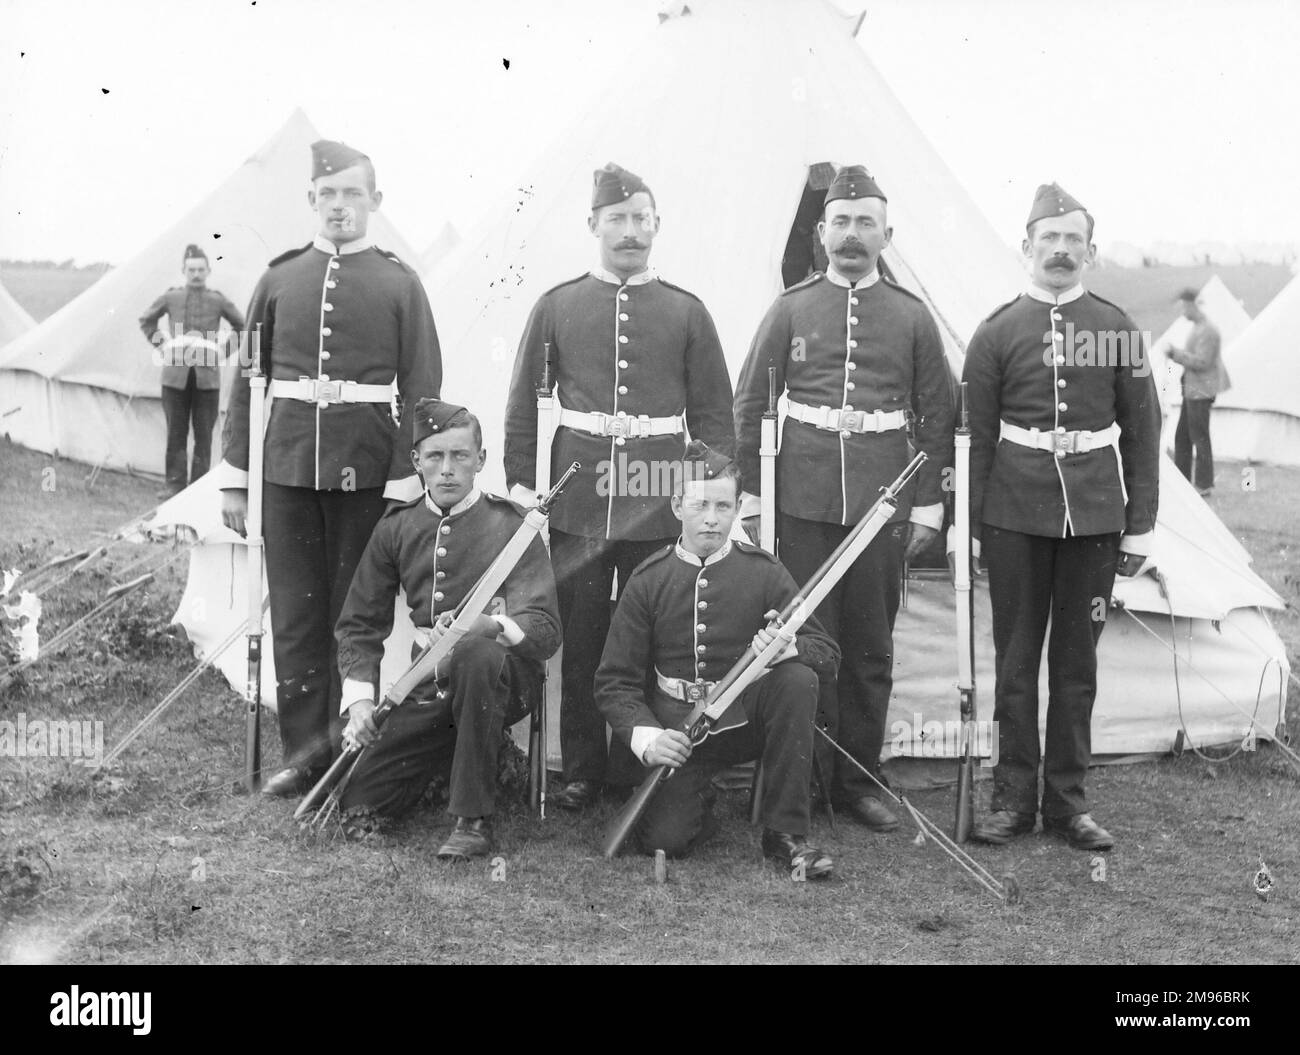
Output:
x=193 y=312
x=436 y=558
x=860 y=349
x=1050 y=520
x=689 y=618
x=641 y=348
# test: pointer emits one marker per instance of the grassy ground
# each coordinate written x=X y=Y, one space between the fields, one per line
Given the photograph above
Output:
x=44 y=290
x=161 y=861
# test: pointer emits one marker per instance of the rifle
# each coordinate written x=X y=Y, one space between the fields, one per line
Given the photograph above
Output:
x=253 y=548
x=426 y=663
x=746 y=670
x=961 y=580
x=767 y=451
x=545 y=426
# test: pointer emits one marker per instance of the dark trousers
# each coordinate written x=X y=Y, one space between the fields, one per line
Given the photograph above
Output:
x=584 y=576
x=859 y=614
x=457 y=732
x=179 y=405
x=780 y=707
x=314 y=540
x=1032 y=577
x=1192 y=443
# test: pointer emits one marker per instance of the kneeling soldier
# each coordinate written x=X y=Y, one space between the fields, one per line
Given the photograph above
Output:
x=689 y=612
x=436 y=548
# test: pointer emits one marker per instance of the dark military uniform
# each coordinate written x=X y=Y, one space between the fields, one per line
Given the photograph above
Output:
x=190 y=390
x=436 y=558
x=684 y=621
x=640 y=350
x=329 y=317
x=1064 y=458
x=853 y=356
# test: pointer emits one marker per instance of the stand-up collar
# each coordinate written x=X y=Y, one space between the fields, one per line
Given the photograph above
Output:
x=460 y=507
x=1048 y=297
x=837 y=279
x=639 y=279
x=359 y=246
x=695 y=560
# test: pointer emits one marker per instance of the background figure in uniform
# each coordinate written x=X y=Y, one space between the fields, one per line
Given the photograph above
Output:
x=1064 y=461
x=1204 y=377
x=637 y=362
x=436 y=548
x=335 y=323
x=685 y=617
x=857 y=357
x=191 y=370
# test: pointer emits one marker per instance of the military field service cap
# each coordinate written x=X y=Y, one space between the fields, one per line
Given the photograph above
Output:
x=328 y=157
x=702 y=462
x=193 y=252
x=433 y=416
x=1052 y=200
x=1187 y=294
x=613 y=184
x=853 y=182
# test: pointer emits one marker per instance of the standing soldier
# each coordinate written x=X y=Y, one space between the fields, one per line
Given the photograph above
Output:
x=190 y=388
x=335 y=323
x=637 y=363
x=858 y=358
x=1064 y=472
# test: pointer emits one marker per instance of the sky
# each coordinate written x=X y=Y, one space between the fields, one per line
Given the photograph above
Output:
x=1172 y=121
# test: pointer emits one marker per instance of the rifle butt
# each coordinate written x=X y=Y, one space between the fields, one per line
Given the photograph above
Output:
x=317 y=794
x=965 y=797
x=623 y=823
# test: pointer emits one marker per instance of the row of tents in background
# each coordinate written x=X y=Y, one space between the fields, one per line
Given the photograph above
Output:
x=1193 y=651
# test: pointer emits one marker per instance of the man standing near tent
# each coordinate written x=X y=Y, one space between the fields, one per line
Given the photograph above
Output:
x=191 y=364
x=859 y=359
x=636 y=362
x=335 y=323
x=1204 y=377
x=1064 y=486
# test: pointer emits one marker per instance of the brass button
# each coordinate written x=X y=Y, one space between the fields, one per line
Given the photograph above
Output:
x=330 y=284
x=327 y=306
x=322 y=403
x=622 y=390
x=700 y=628
x=1060 y=383
x=1062 y=406
x=850 y=386
x=622 y=315
x=441 y=551
x=442 y=574
x=853 y=344
x=852 y=365
x=324 y=354
x=622 y=296
x=437 y=595
x=702 y=605
x=622 y=338
x=334 y=263
x=1060 y=360
x=445 y=529
x=701 y=649
x=325 y=331
x=622 y=364
x=704 y=583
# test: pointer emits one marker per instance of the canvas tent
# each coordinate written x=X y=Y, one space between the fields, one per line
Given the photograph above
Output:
x=84 y=382
x=731 y=170
x=1258 y=419
x=14 y=320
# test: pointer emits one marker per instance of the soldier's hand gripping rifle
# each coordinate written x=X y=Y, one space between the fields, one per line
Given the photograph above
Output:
x=961 y=580
x=438 y=649
x=751 y=665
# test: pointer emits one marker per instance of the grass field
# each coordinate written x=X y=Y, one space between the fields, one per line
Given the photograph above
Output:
x=44 y=290
x=160 y=861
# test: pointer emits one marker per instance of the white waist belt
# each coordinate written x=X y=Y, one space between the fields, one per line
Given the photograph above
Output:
x=312 y=390
x=600 y=424
x=1061 y=442
x=681 y=689
x=835 y=419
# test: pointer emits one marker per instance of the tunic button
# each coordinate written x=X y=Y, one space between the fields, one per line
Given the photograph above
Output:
x=325 y=331
x=1060 y=454
x=1060 y=429
x=845 y=433
x=701 y=664
x=622 y=315
x=334 y=263
x=850 y=386
x=848 y=408
x=1060 y=360
x=700 y=628
x=1062 y=406
x=1059 y=338
x=853 y=302
x=853 y=320
x=1060 y=383
x=445 y=529
x=853 y=344
x=324 y=354
x=619 y=441
x=322 y=403
x=441 y=551
x=330 y=284
x=442 y=574
x=324 y=377
x=1056 y=316
x=702 y=605
x=701 y=649
x=622 y=296
x=622 y=364
x=704 y=583
x=622 y=338
x=622 y=390
x=327 y=306
x=853 y=366
x=437 y=595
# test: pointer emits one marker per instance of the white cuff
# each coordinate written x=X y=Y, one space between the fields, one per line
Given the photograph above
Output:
x=228 y=478
x=750 y=505
x=642 y=737
x=1139 y=545
x=354 y=692
x=510 y=630
x=406 y=489
x=951 y=545
x=928 y=516
x=524 y=496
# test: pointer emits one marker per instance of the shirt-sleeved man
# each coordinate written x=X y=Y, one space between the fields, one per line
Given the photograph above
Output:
x=335 y=323
x=190 y=349
x=1204 y=377
x=1065 y=431
x=436 y=548
x=858 y=359
x=637 y=363
x=686 y=616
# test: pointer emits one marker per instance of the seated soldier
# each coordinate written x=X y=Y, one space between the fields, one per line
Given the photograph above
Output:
x=436 y=548
x=687 y=614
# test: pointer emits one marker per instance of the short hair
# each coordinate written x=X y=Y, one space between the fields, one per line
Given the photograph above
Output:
x=1188 y=294
x=365 y=163
x=463 y=419
x=1029 y=230
x=731 y=471
x=884 y=205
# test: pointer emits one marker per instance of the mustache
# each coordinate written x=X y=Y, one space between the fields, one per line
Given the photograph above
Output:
x=850 y=245
x=629 y=243
x=1061 y=263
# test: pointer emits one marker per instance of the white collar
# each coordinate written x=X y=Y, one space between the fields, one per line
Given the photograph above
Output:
x=358 y=246
x=836 y=279
x=1047 y=297
x=458 y=508
x=639 y=279
x=695 y=560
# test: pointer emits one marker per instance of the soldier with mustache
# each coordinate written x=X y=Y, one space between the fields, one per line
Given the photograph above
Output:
x=636 y=362
x=860 y=361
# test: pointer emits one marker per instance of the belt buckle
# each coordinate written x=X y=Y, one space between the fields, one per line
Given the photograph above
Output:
x=696 y=691
x=616 y=425
x=330 y=391
x=1064 y=442
x=853 y=420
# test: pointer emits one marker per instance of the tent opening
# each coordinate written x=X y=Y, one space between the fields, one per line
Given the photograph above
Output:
x=803 y=249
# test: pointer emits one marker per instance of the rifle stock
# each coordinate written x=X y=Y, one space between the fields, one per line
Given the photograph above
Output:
x=962 y=586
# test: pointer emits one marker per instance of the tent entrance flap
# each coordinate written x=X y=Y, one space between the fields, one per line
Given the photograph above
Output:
x=803 y=250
